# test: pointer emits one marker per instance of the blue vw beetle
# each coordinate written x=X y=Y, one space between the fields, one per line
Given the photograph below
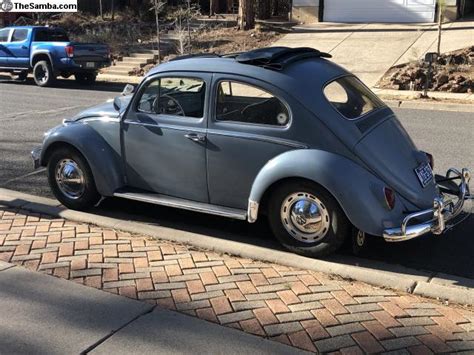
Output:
x=276 y=132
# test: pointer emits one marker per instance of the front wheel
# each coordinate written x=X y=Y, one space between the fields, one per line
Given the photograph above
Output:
x=43 y=73
x=71 y=179
x=307 y=220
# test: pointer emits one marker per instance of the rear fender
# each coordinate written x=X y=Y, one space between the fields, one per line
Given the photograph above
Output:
x=358 y=192
x=104 y=161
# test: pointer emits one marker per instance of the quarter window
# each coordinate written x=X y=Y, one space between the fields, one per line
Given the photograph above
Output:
x=174 y=96
x=4 y=35
x=241 y=102
x=351 y=98
x=19 y=35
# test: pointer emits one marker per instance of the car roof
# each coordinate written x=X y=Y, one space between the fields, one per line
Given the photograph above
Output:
x=303 y=72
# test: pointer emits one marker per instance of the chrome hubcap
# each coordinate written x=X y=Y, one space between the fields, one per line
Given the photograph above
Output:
x=70 y=179
x=305 y=217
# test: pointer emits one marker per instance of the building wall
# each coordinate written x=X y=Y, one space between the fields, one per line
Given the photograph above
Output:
x=306 y=11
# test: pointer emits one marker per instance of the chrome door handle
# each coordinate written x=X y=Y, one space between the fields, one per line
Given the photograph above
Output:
x=196 y=137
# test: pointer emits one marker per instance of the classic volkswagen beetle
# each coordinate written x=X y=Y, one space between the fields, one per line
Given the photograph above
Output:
x=276 y=131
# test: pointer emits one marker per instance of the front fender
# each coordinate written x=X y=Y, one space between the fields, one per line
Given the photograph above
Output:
x=103 y=158
x=358 y=191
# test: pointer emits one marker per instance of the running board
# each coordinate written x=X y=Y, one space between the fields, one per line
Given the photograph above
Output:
x=168 y=201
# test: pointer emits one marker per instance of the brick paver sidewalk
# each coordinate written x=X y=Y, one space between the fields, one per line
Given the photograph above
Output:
x=306 y=309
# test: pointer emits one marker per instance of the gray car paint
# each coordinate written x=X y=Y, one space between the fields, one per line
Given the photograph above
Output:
x=241 y=161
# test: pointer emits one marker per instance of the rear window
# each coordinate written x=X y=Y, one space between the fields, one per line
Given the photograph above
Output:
x=51 y=35
x=351 y=98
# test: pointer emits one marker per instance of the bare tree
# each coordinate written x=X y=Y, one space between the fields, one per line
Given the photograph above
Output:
x=441 y=8
x=246 y=14
x=101 y=10
x=158 y=7
x=183 y=17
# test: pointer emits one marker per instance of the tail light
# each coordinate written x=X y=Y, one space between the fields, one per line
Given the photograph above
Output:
x=69 y=51
x=389 y=197
x=430 y=160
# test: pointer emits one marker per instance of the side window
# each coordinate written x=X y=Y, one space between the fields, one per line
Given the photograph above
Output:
x=4 y=35
x=175 y=96
x=19 y=35
x=241 y=102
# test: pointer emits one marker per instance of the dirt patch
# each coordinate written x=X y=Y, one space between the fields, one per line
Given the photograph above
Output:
x=452 y=72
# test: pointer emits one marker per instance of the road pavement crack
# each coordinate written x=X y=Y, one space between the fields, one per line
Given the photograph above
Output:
x=35 y=112
x=39 y=171
x=102 y=340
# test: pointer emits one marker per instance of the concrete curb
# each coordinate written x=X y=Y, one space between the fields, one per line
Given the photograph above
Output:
x=372 y=272
x=435 y=96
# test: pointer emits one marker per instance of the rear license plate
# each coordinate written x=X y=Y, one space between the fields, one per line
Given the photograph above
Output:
x=424 y=174
x=90 y=65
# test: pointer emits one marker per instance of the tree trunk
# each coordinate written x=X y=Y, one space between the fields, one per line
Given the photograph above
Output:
x=113 y=10
x=440 y=24
x=246 y=15
x=264 y=10
x=101 y=10
x=213 y=7
x=158 y=32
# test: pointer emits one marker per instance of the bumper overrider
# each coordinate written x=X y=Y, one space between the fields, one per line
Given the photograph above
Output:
x=443 y=211
x=36 y=156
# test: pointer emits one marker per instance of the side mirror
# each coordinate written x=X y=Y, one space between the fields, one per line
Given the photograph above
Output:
x=117 y=103
x=128 y=90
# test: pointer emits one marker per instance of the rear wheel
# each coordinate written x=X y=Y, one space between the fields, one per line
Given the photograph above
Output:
x=306 y=219
x=71 y=179
x=85 y=78
x=43 y=73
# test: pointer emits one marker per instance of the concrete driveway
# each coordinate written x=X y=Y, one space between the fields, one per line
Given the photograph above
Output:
x=369 y=50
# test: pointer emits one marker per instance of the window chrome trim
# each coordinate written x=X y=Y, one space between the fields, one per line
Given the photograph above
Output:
x=150 y=80
x=384 y=105
x=215 y=91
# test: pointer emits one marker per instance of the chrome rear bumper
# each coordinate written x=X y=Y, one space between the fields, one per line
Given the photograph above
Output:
x=443 y=211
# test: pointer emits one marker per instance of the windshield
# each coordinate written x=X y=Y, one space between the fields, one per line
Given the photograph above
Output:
x=351 y=98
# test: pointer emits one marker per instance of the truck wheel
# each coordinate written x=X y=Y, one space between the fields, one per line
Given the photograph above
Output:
x=43 y=73
x=71 y=179
x=307 y=220
x=86 y=78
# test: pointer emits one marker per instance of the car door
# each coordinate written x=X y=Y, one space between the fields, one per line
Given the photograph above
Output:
x=164 y=136
x=19 y=48
x=4 y=51
x=250 y=125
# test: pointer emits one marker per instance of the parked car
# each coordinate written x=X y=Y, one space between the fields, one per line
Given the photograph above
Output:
x=48 y=53
x=277 y=132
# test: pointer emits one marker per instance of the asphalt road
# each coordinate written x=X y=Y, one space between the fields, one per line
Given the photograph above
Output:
x=26 y=111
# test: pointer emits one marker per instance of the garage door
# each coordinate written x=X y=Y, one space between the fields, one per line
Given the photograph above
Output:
x=379 y=10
